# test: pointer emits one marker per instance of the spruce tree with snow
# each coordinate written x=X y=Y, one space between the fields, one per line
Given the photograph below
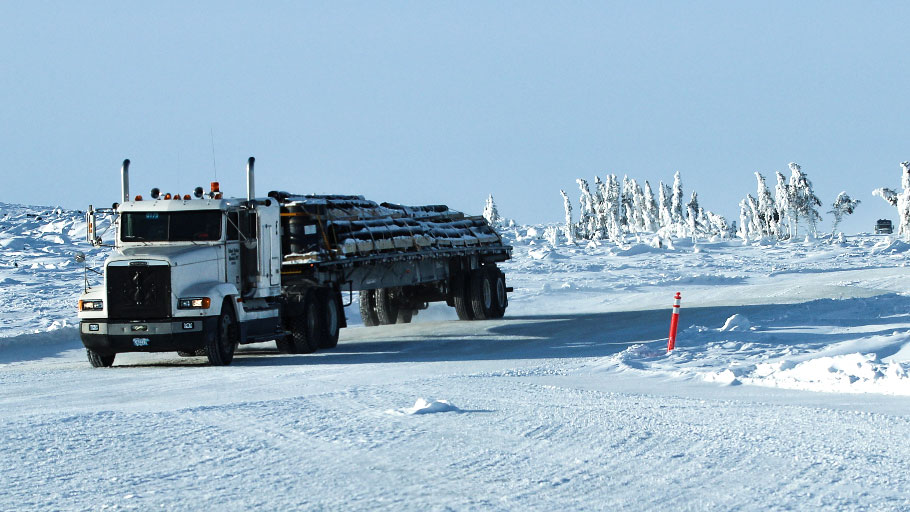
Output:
x=586 y=212
x=803 y=200
x=782 y=204
x=491 y=213
x=843 y=206
x=613 y=207
x=664 y=217
x=901 y=200
x=626 y=212
x=637 y=221
x=676 y=202
x=744 y=215
x=766 y=210
x=692 y=216
x=600 y=189
x=570 y=227
x=650 y=211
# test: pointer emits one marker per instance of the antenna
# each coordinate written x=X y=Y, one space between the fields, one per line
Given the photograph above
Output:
x=214 y=166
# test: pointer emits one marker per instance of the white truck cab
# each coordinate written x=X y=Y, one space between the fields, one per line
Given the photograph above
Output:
x=194 y=275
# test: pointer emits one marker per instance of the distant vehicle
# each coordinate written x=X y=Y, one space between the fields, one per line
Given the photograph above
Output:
x=200 y=276
x=884 y=227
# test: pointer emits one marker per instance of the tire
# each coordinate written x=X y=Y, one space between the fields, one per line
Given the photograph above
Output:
x=405 y=314
x=386 y=306
x=306 y=327
x=481 y=294
x=285 y=345
x=99 y=361
x=461 y=297
x=331 y=312
x=368 y=308
x=220 y=348
x=500 y=297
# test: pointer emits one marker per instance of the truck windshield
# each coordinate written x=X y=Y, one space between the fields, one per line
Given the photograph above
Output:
x=198 y=226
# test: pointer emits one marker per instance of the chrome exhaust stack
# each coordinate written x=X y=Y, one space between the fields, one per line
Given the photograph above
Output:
x=125 y=181
x=250 y=181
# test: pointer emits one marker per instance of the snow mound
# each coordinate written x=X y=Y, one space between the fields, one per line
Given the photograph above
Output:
x=849 y=373
x=888 y=246
x=736 y=322
x=424 y=406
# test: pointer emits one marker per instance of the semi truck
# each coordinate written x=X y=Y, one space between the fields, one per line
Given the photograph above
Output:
x=201 y=274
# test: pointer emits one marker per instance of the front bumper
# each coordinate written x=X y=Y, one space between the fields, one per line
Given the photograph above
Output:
x=172 y=335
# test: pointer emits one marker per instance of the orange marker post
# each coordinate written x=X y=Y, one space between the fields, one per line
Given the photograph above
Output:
x=674 y=322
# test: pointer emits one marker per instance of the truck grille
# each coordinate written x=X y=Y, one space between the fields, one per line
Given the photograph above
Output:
x=139 y=292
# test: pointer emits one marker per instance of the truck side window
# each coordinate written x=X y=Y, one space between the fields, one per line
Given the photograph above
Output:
x=233 y=226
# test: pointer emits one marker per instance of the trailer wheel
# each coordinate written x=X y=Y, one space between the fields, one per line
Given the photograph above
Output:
x=306 y=327
x=482 y=294
x=368 y=308
x=500 y=297
x=220 y=348
x=99 y=361
x=331 y=320
x=405 y=314
x=386 y=306
x=461 y=297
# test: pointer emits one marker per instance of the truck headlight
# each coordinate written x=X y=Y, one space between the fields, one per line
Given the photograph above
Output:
x=91 y=305
x=194 y=303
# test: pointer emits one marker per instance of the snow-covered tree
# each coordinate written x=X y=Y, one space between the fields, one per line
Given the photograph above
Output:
x=676 y=201
x=600 y=189
x=692 y=209
x=586 y=212
x=665 y=218
x=636 y=220
x=551 y=235
x=613 y=208
x=744 y=216
x=803 y=200
x=782 y=204
x=766 y=210
x=491 y=213
x=570 y=227
x=843 y=206
x=901 y=200
x=649 y=210
x=627 y=203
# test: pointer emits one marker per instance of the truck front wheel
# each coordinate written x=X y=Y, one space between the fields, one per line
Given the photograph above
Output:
x=220 y=347
x=331 y=312
x=98 y=360
x=306 y=327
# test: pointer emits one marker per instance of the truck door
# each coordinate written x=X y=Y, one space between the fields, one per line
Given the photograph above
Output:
x=249 y=253
x=232 y=250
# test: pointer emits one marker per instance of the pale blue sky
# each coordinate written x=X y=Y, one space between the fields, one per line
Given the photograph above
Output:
x=429 y=102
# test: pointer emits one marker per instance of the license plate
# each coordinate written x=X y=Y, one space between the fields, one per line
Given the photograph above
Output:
x=141 y=342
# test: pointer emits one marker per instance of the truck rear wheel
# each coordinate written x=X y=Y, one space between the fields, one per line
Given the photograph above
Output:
x=368 y=308
x=482 y=294
x=331 y=321
x=500 y=297
x=220 y=347
x=99 y=361
x=461 y=297
x=386 y=306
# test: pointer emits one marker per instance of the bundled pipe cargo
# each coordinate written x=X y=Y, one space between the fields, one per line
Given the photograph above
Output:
x=322 y=227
